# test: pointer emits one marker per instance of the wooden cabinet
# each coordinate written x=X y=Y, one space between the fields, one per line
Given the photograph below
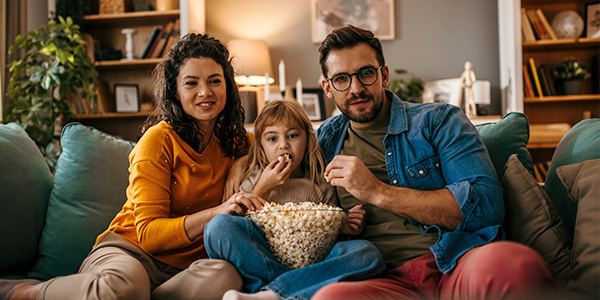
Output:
x=514 y=53
x=106 y=30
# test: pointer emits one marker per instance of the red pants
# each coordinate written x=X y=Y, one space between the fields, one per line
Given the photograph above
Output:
x=493 y=271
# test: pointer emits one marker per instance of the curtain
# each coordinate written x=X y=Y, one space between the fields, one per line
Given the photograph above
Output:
x=13 y=21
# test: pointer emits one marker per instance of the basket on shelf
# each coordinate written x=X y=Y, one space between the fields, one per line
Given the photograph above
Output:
x=114 y=6
x=547 y=133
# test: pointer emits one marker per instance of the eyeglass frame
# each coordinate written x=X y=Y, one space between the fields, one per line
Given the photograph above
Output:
x=353 y=74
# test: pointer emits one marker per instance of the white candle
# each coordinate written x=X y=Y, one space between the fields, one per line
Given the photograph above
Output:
x=281 y=76
x=299 y=91
x=267 y=87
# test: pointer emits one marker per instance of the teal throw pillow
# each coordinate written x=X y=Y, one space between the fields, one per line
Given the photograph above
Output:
x=89 y=190
x=25 y=186
x=581 y=143
x=506 y=137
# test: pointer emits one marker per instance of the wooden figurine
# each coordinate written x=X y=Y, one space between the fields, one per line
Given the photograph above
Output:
x=467 y=79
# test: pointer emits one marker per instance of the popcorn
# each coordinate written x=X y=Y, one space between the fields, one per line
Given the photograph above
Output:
x=299 y=234
x=284 y=158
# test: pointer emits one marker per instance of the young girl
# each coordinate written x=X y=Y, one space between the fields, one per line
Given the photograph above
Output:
x=282 y=130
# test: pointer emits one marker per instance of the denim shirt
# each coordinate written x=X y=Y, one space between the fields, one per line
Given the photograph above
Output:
x=434 y=146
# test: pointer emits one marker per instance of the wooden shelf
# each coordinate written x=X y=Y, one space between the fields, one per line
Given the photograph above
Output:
x=127 y=63
x=561 y=44
x=567 y=98
x=139 y=18
x=113 y=115
x=541 y=145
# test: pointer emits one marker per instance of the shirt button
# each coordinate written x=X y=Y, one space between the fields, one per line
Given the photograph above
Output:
x=174 y=182
x=395 y=181
x=389 y=153
x=421 y=172
x=192 y=165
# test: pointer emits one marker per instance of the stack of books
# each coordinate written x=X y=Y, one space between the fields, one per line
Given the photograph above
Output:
x=162 y=39
x=535 y=26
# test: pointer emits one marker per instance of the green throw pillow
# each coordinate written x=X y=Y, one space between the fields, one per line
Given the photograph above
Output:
x=89 y=190
x=581 y=143
x=508 y=136
x=25 y=185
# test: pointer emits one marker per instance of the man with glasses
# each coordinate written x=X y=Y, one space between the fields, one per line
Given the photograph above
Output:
x=434 y=206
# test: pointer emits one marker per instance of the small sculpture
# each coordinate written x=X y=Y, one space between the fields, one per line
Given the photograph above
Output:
x=467 y=79
x=128 y=32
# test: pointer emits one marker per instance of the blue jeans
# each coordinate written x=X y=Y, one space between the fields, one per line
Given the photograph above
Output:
x=241 y=242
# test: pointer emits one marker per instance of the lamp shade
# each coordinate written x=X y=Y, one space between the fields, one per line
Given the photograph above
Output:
x=251 y=61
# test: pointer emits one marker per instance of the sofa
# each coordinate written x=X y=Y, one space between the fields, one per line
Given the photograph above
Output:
x=49 y=222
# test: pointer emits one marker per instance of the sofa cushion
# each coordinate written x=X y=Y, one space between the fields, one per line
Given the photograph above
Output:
x=508 y=136
x=581 y=143
x=25 y=185
x=531 y=219
x=89 y=189
x=583 y=186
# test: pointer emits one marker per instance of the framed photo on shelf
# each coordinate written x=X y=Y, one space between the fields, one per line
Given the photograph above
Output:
x=313 y=104
x=376 y=15
x=443 y=91
x=127 y=98
x=592 y=20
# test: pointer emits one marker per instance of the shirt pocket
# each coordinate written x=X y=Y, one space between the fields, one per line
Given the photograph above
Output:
x=426 y=174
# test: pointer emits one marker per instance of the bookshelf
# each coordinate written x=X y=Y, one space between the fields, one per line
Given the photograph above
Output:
x=515 y=52
x=106 y=31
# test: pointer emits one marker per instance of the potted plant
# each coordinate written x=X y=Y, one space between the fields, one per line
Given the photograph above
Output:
x=570 y=73
x=55 y=70
x=409 y=90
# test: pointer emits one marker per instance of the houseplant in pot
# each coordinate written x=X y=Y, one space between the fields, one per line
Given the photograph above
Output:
x=570 y=74
x=54 y=70
x=409 y=90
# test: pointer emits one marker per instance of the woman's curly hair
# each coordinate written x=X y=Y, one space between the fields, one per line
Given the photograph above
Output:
x=229 y=128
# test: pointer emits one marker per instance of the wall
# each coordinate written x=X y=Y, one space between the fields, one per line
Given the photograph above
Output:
x=433 y=38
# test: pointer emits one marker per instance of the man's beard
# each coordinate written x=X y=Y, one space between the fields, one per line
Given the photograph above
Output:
x=362 y=116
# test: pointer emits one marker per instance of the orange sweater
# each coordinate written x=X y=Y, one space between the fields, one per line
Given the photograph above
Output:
x=169 y=180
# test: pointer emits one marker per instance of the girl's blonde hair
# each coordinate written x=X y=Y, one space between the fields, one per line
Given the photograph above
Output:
x=291 y=114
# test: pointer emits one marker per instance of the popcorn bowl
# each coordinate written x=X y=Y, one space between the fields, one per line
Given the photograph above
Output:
x=299 y=234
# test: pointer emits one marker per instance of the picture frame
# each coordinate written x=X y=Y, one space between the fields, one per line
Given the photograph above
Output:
x=592 y=20
x=127 y=98
x=313 y=103
x=376 y=16
x=443 y=91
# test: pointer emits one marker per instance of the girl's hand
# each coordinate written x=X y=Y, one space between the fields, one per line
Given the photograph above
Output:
x=355 y=221
x=240 y=203
x=275 y=174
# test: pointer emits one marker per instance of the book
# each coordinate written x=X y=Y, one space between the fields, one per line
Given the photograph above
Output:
x=527 y=86
x=156 y=40
x=106 y=102
x=162 y=40
x=543 y=82
x=536 y=78
x=546 y=25
x=526 y=29
x=151 y=41
x=549 y=82
x=538 y=28
x=173 y=38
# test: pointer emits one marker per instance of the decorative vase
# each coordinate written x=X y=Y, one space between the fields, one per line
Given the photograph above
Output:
x=164 y=5
x=571 y=87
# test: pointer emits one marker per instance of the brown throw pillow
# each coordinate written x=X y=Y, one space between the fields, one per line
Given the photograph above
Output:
x=583 y=185
x=531 y=219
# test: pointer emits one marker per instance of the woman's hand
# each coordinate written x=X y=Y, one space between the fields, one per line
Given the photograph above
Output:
x=275 y=174
x=355 y=221
x=240 y=203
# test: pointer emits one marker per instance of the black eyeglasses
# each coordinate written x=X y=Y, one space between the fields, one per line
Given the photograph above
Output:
x=366 y=76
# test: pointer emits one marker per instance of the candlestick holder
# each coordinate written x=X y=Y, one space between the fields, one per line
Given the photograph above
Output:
x=128 y=32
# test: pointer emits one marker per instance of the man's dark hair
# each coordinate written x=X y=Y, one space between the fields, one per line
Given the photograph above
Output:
x=348 y=37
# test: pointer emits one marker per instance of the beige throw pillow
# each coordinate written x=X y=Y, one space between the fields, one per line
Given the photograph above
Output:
x=531 y=219
x=583 y=185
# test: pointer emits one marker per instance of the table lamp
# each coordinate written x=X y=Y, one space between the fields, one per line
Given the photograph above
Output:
x=251 y=60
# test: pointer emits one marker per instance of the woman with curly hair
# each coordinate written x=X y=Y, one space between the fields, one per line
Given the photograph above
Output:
x=154 y=246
